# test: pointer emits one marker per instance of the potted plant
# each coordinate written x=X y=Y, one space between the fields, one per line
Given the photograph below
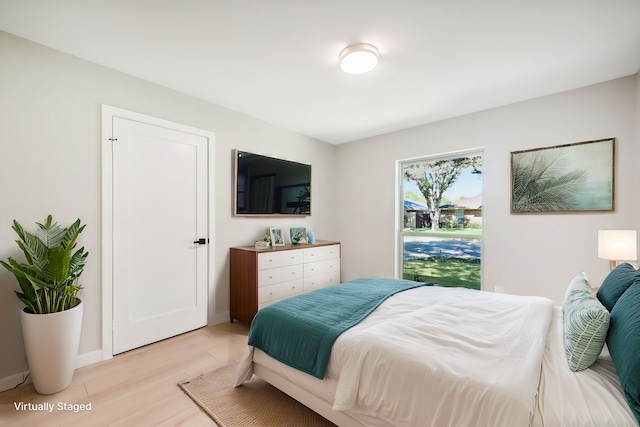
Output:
x=52 y=316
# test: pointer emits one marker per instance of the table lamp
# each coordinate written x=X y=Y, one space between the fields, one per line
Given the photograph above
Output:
x=617 y=245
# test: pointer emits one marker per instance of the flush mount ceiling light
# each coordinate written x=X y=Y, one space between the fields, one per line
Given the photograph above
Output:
x=359 y=58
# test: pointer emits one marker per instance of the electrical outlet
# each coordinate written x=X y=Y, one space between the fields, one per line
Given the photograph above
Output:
x=499 y=290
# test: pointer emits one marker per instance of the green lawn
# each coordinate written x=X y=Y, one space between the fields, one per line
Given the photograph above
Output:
x=444 y=271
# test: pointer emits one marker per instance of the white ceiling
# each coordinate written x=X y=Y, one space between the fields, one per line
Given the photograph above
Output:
x=276 y=60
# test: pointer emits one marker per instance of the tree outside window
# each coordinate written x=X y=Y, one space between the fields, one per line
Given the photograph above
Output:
x=442 y=216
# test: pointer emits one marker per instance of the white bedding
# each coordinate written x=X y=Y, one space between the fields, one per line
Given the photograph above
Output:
x=589 y=398
x=480 y=368
x=444 y=357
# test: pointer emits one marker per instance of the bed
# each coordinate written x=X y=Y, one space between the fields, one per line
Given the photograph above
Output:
x=420 y=355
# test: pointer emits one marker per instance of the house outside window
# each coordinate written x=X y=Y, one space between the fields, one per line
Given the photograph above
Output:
x=440 y=225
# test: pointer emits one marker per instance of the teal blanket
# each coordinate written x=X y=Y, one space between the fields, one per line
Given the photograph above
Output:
x=301 y=330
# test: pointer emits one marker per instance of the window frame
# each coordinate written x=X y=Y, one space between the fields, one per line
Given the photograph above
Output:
x=399 y=227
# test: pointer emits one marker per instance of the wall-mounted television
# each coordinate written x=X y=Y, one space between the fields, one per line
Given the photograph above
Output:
x=269 y=186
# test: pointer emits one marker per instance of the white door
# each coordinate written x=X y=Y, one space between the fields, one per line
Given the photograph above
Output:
x=159 y=216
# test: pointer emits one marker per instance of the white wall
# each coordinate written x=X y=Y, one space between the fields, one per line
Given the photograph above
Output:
x=50 y=110
x=527 y=254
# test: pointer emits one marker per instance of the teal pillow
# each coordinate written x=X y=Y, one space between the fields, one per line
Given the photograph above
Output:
x=616 y=283
x=586 y=322
x=624 y=344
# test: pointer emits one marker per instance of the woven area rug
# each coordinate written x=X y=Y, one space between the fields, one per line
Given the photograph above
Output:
x=254 y=404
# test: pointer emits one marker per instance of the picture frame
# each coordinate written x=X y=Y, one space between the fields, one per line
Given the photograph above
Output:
x=277 y=236
x=298 y=235
x=569 y=178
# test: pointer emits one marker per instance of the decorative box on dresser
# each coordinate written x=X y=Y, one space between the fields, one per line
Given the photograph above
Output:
x=260 y=277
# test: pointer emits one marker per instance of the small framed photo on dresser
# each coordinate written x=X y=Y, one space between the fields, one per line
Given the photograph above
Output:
x=277 y=236
x=298 y=235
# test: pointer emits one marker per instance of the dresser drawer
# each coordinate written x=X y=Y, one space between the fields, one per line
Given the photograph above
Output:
x=279 y=259
x=321 y=253
x=321 y=281
x=273 y=293
x=278 y=275
x=321 y=267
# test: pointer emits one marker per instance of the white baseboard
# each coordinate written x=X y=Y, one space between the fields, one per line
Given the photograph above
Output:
x=12 y=381
x=219 y=318
x=7 y=383
x=88 y=358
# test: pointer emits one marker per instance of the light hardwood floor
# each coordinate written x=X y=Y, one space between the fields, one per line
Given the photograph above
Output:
x=137 y=388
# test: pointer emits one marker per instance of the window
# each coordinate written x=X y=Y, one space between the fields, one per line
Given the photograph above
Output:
x=440 y=226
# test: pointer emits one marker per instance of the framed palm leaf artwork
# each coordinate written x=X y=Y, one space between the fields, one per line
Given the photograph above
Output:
x=576 y=177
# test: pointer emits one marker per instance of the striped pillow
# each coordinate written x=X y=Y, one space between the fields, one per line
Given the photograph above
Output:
x=586 y=322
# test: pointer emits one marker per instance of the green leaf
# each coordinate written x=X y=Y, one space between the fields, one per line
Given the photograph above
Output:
x=51 y=235
x=48 y=278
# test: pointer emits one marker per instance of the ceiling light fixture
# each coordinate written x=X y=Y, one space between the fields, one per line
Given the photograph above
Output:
x=359 y=58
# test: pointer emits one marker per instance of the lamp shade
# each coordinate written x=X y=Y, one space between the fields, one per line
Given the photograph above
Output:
x=618 y=245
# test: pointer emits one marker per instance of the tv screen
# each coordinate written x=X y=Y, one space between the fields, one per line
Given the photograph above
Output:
x=269 y=186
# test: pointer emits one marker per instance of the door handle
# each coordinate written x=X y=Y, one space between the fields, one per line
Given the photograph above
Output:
x=201 y=241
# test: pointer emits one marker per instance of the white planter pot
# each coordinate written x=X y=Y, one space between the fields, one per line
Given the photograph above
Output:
x=51 y=342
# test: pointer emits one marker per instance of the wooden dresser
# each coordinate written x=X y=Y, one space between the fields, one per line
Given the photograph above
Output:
x=260 y=277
